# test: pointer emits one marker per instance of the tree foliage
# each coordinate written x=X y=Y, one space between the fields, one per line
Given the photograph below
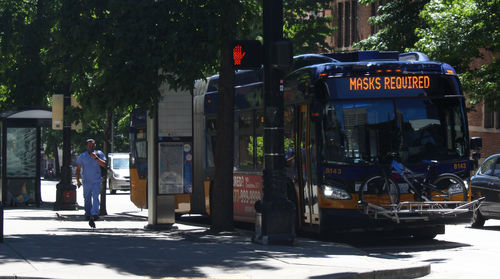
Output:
x=307 y=25
x=304 y=22
x=114 y=53
x=24 y=35
x=460 y=31
x=397 y=21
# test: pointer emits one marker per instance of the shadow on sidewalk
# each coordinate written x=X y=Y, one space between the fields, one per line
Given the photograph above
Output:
x=184 y=253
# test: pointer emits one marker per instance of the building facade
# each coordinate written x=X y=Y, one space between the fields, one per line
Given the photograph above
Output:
x=351 y=21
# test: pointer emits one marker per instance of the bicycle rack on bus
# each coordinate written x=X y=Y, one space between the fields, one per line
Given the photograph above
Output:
x=419 y=210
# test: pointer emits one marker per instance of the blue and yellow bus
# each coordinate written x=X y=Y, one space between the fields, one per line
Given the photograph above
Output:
x=138 y=159
x=343 y=113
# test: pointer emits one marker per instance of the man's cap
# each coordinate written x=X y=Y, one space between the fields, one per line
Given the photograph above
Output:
x=90 y=140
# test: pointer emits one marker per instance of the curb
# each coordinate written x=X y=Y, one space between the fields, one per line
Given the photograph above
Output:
x=400 y=273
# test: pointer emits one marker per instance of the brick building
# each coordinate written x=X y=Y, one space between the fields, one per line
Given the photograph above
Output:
x=351 y=19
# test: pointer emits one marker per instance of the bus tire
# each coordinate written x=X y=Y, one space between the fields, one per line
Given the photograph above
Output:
x=428 y=233
x=425 y=235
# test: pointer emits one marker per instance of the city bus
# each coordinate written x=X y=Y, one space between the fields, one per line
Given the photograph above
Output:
x=138 y=158
x=343 y=113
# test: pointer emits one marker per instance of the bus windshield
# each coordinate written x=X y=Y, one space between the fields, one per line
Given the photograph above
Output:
x=360 y=131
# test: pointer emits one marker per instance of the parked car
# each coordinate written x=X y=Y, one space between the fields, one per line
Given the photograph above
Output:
x=118 y=172
x=486 y=183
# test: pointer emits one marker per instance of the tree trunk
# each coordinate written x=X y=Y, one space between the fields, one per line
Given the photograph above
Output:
x=222 y=194
x=105 y=149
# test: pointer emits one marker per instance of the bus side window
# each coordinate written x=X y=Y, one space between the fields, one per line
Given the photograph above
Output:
x=245 y=140
x=259 y=139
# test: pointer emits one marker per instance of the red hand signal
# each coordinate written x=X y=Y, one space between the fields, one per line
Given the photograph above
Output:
x=238 y=55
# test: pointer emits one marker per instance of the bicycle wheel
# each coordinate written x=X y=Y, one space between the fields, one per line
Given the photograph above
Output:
x=451 y=188
x=376 y=191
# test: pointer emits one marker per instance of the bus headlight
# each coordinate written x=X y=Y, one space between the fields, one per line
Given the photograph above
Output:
x=335 y=193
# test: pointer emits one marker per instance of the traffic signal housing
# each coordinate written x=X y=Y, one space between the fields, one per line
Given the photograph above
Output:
x=247 y=54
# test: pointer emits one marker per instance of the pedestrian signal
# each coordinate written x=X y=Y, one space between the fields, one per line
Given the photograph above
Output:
x=247 y=54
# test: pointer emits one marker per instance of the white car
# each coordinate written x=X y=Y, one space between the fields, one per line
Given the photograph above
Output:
x=118 y=172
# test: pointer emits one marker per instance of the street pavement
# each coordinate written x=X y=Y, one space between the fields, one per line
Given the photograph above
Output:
x=43 y=243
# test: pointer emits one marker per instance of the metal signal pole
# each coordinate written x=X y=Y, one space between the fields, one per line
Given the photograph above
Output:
x=275 y=213
x=66 y=190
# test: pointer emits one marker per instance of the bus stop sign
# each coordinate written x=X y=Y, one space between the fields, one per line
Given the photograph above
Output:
x=247 y=54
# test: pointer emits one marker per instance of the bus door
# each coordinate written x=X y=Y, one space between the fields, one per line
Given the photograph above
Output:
x=306 y=150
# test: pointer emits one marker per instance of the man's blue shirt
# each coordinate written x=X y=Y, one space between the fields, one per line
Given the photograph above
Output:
x=91 y=172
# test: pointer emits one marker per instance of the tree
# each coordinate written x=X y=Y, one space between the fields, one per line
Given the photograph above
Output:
x=307 y=25
x=24 y=27
x=304 y=22
x=460 y=31
x=397 y=21
x=222 y=194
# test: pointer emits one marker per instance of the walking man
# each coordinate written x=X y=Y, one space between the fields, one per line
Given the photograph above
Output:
x=91 y=161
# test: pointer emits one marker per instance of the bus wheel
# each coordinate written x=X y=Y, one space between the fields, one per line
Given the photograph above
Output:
x=325 y=233
x=424 y=235
x=428 y=233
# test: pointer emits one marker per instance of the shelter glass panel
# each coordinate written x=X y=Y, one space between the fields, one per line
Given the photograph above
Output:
x=21 y=152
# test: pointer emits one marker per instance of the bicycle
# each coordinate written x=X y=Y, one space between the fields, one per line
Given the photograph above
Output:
x=380 y=189
x=429 y=186
x=385 y=191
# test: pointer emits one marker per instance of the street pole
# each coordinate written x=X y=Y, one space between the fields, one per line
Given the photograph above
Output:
x=65 y=189
x=275 y=213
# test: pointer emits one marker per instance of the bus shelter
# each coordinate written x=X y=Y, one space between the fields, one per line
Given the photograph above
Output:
x=20 y=142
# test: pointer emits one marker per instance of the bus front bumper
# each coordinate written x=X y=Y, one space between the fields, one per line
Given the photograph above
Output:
x=335 y=220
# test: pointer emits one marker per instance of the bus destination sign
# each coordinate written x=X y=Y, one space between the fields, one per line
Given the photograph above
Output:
x=389 y=83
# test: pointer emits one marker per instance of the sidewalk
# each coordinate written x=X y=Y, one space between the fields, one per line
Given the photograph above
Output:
x=42 y=243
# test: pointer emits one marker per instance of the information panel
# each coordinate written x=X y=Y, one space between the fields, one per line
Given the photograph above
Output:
x=171 y=168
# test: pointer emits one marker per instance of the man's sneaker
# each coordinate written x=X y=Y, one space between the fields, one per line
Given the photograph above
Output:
x=91 y=223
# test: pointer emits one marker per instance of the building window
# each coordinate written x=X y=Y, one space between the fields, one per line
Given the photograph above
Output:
x=491 y=117
x=347 y=23
x=340 y=24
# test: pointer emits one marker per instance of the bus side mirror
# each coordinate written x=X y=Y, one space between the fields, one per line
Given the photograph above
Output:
x=476 y=143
